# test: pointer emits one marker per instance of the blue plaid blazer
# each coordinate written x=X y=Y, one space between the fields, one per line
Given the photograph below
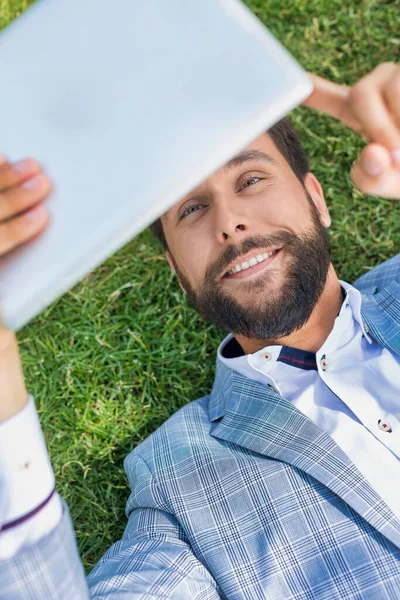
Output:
x=239 y=496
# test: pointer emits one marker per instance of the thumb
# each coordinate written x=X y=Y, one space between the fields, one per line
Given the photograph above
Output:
x=374 y=174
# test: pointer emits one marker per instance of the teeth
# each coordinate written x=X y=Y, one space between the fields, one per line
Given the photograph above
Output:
x=253 y=261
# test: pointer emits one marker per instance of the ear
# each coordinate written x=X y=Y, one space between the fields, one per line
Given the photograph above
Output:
x=170 y=261
x=314 y=188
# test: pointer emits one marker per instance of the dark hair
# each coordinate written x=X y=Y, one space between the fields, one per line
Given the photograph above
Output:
x=286 y=139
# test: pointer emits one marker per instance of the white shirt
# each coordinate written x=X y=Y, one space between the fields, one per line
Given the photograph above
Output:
x=29 y=507
x=354 y=392
x=359 y=386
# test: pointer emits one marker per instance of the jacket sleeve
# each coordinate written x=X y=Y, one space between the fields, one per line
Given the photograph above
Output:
x=39 y=558
x=381 y=276
x=153 y=560
x=49 y=569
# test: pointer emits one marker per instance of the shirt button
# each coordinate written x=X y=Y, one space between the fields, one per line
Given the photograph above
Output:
x=267 y=356
x=324 y=363
x=385 y=426
x=271 y=388
x=366 y=328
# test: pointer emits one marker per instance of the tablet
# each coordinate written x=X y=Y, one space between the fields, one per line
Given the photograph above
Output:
x=128 y=106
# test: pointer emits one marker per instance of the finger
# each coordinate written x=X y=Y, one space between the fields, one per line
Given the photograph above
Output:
x=391 y=94
x=373 y=173
x=374 y=160
x=368 y=105
x=12 y=174
x=18 y=199
x=331 y=98
x=15 y=232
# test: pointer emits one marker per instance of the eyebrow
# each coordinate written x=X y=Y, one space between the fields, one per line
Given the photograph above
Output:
x=240 y=159
x=247 y=156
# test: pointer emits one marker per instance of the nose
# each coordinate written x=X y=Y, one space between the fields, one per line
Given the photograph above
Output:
x=230 y=222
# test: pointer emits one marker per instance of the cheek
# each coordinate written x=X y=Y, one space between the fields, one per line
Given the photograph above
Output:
x=191 y=258
x=281 y=209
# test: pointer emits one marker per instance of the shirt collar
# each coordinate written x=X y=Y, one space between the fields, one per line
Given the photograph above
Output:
x=353 y=299
x=235 y=357
x=238 y=361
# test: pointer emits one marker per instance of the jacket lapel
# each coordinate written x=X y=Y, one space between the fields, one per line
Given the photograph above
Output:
x=261 y=420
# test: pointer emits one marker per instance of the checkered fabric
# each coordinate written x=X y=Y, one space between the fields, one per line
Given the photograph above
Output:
x=242 y=497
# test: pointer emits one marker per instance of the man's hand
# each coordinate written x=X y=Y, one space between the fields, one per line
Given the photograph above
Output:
x=23 y=187
x=372 y=108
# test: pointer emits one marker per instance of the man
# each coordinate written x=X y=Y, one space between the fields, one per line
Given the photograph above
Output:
x=281 y=484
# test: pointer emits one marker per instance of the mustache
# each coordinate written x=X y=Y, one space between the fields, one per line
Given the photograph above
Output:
x=219 y=267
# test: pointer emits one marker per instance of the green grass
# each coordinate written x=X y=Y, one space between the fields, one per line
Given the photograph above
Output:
x=111 y=360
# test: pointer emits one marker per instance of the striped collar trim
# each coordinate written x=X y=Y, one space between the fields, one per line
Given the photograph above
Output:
x=298 y=358
x=302 y=359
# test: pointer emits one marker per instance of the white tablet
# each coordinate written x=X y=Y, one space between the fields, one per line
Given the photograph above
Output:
x=128 y=106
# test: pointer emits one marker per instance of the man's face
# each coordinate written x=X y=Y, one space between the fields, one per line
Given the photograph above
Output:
x=248 y=244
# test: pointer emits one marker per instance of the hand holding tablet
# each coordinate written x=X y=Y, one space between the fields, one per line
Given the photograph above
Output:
x=23 y=188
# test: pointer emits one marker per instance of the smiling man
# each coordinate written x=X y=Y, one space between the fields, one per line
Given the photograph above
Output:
x=250 y=246
x=283 y=482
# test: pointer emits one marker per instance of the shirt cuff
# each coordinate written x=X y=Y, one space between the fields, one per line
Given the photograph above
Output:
x=29 y=508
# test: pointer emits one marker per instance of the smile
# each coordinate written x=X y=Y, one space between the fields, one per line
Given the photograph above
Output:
x=253 y=264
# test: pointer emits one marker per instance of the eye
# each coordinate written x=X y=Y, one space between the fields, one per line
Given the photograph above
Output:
x=250 y=181
x=190 y=210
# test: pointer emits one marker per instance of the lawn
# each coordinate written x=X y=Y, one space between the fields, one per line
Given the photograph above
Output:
x=117 y=355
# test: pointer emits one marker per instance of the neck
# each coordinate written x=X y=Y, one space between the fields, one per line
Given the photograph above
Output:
x=313 y=333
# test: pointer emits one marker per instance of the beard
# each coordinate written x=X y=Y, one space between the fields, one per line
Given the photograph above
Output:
x=268 y=312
